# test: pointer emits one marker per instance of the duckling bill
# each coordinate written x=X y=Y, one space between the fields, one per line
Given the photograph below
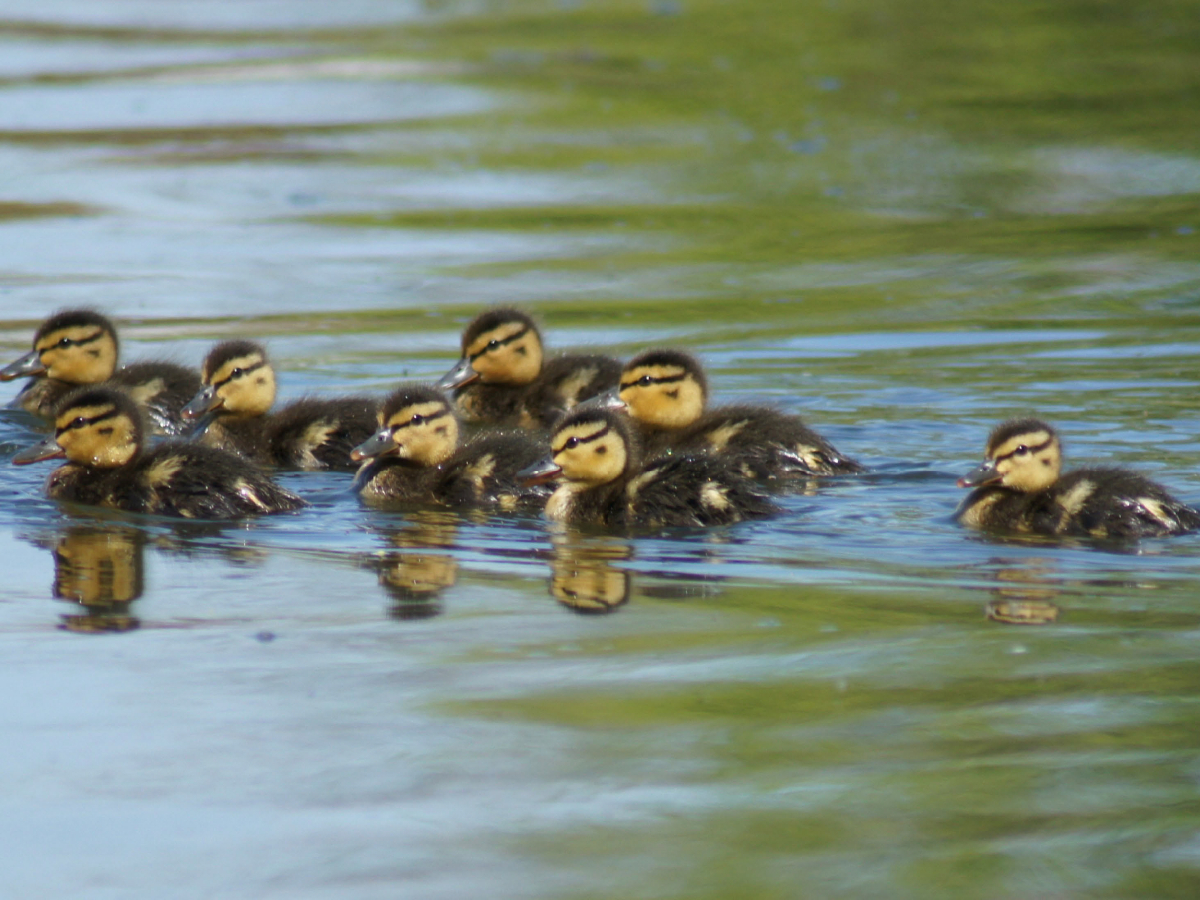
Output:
x=100 y=433
x=415 y=457
x=503 y=377
x=596 y=457
x=1020 y=487
x=233 y=411
x=79 y=347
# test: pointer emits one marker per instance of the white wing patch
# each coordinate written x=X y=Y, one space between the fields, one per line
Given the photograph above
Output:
x=714 y=496
x=160 y=474
x=245 y=491
x=1072 y=501
x=315 y=435
x=720 y=437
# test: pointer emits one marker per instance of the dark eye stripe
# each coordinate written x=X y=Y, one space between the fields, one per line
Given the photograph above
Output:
x=408 y=423
x=92 y=421
x=661 y=379
x=1038 y=449
x=245 y=370
x=74 y=342
x=582 y=440
x=502 y=342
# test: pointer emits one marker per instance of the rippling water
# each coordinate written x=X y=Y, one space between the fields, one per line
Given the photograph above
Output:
x=905 y=223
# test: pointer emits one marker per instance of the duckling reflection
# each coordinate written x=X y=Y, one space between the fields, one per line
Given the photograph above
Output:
x=1023 y=596
x=101 y=569
x=582 y=575
x=417 y=575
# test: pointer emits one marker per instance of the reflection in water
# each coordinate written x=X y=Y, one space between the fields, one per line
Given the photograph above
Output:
x=416 y=576
x=582 y=575
x=1023 y=595
x=101 y=569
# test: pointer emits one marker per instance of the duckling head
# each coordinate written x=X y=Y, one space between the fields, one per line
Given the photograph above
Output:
x=415 y=423
x=238 y=381
x=76 y=346
x=1022 y=454
x=590 y=446
x=96 y=427
x=664 y=389
x=501 y=346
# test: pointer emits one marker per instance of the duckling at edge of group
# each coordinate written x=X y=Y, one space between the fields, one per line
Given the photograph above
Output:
x=1020 y=488
x=100 y=432
x=78 y=347
x=233 y=409
x=596 y=457
x=503 y=377
x=665 y=392
x=415 y=457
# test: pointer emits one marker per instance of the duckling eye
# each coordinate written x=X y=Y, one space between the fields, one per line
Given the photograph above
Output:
x=1022 y=451
x=78 y=422
x=492 y=344
x=645 y=381
x=417 y=419
x=571 y=443
x=65 y=342
x=237 y=373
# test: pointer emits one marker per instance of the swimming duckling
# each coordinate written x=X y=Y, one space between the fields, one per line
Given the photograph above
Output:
x=310 y=433
x=595 y=453
x=79 y=347
x=100 y=433
x=415 y=457
x=665 y=391
x=1019 y=487
x=503 y=379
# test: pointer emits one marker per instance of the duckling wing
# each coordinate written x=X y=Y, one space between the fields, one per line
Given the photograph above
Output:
x=565 y=382
x=766 y=444
x=161 y=389
x=197 y=482
x=483 y=472
x=697 y=490
x=1118 y=503
x=317 y=433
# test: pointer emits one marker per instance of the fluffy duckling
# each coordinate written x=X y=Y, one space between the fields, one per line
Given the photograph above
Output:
x=503 y=379
x=79 y=347
x=665 y=391
x=415 y=457
x=1019 y=487
x=233 y=409
x=99 y=432
x=595 y=453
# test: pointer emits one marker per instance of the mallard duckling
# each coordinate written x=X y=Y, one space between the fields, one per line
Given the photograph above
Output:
x=79 y=347
x=234 y=412
x=503 y=379
x=595 y=453
x=665 y=391
x=99 y=431
x=1019 y=487
x=415 y=457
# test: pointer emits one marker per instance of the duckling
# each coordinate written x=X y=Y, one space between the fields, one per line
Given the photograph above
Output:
x=595 y=453
x=415 y=457
x=1020 y=487
x=310 y=433
x=665 y=391
x=78 y=347
x=100 y=432
x=503 y=379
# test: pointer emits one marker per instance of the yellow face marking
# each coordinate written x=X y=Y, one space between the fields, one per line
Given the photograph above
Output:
x=589 y=452
x=426 y=433
x=245 y=384
x=1028 y=462
x=507 y=354
x=81 y=354
x=98 y=435
x=662 y=396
